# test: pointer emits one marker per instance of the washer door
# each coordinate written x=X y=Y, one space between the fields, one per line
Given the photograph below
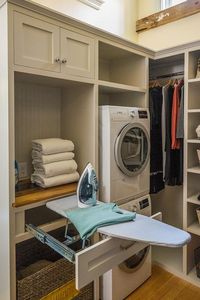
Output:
x=132 y=149
x=133 y=263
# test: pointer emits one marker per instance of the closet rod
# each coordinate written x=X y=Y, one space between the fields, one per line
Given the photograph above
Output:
x=168 y=75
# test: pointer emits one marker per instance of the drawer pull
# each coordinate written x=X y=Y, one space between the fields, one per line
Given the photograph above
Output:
x=64 y=61
x=57 y=60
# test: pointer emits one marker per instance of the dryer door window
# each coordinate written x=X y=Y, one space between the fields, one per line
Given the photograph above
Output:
x=132 y=149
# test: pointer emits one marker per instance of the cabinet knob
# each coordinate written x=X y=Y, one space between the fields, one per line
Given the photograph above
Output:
x=64 y=61
x=57 y=60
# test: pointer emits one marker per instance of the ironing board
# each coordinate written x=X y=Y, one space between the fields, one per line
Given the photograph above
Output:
x=119 y=242
x=142 y=229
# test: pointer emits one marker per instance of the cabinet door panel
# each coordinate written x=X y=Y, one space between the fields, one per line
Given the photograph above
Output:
x=78 y=50
x=36 y=43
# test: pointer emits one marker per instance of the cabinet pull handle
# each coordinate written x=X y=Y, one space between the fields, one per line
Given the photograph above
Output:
x=57 y=60
x=64 y=61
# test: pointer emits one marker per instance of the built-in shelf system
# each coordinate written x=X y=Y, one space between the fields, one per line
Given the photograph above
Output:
x=192 y=165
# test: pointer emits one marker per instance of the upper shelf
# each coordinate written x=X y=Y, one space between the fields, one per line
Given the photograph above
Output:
x=110 y=87
x=120 y=66
x=194 y=80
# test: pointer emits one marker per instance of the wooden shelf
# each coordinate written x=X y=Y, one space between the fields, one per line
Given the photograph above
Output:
x=195 y=170
x=111 y=87
x=194 y=110
x=193 y=141
x=193 y=80
x=194 y=228
x=193 y=199
x=33 y=194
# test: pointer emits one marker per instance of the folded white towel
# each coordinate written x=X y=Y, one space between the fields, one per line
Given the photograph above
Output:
x=54 y=181
x=56 y=168
x=52 y=145
x=38 y=157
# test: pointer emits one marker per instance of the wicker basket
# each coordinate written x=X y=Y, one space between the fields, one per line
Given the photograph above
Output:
x=53 y=275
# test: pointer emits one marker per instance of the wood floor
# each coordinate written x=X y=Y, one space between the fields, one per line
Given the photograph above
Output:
x=165 y=286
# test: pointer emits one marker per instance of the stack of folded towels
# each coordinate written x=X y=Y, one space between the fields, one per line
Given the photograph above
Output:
x=53 y=162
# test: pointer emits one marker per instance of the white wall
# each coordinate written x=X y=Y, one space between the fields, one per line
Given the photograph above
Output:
x=148 y=7
x=169 y=35
x=115 y=16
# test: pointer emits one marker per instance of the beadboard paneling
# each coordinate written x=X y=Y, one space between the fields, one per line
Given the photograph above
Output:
x=79 y=122
x=37 y=115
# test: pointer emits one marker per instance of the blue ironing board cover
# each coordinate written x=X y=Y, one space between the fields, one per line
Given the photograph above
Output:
x=143 y=229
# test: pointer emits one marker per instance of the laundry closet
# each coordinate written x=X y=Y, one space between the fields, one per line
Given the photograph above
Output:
x=58 y=73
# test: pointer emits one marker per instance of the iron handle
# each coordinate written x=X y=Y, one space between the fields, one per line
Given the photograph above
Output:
x=64 y=61
x=57 y=60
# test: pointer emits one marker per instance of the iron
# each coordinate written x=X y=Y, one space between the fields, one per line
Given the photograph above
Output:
x=87 y=187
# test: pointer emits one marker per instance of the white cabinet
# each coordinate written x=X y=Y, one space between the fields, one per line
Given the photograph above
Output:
x=36 y=43
x=77 y=52
x=44 y=46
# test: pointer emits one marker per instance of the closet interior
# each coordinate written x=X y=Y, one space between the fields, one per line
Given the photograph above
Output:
x=179 y=203
x=170 y=200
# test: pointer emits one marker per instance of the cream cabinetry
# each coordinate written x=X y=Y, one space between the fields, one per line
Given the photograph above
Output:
x=77 y=54
x=36 y=43
x=41 y=45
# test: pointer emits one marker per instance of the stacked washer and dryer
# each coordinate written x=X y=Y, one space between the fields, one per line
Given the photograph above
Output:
x=124 y=179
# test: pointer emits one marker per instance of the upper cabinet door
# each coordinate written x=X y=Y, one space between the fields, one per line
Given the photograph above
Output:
x=36 y=43
x=77 y=54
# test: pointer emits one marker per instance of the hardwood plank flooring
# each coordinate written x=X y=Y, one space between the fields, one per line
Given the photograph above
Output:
x=163 y=285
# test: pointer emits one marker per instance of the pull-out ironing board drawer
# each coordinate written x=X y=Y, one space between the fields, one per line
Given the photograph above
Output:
x=119 y=242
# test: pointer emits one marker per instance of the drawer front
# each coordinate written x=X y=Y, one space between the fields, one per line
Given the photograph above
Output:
x=77 y=54
x=36 y=43
x=93 y=261
x=102 y=257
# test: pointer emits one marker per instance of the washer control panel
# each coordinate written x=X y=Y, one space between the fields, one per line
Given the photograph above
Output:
x=141 y=205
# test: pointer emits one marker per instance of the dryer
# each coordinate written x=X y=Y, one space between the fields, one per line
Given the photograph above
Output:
x=124 y=153
x=122 y=280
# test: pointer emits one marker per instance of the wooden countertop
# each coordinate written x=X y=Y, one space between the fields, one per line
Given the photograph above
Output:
x=29 y=193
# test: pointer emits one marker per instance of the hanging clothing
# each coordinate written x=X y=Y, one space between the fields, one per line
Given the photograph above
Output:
x=180 y=134
x=156 y=153
x=174 y=157
x=175 y=108
x=180 y=122
x=164 y=93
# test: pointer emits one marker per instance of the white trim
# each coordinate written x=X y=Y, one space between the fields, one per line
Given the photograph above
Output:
x=93 y=3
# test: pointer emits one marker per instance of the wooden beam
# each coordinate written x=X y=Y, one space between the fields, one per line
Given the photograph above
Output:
x=174 y=13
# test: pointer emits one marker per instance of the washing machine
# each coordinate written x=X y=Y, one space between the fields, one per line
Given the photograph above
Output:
x=124 y=153
x=119 y=282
